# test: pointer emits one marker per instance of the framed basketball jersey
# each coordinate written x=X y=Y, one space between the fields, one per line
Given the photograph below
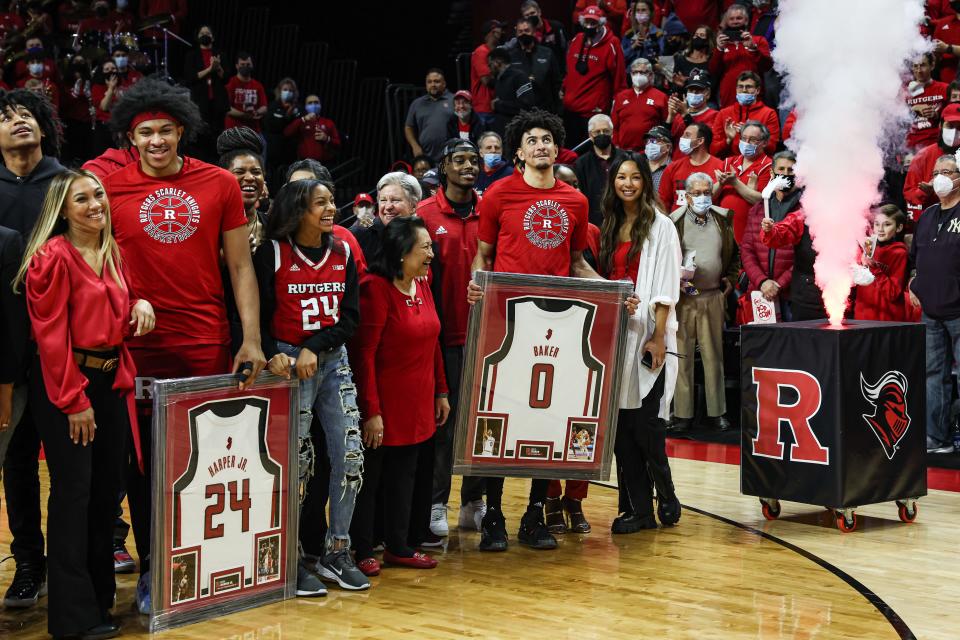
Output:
x=541 y=377
x=225 y=497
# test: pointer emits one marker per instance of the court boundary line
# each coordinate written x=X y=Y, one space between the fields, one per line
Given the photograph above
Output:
x=899 y=624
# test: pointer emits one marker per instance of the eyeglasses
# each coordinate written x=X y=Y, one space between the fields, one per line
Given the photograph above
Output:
x=945 y=172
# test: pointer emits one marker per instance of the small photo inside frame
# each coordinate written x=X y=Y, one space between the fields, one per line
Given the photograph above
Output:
x=183 y=577
x=581 y=441
x=268 y=558
x=489 y=437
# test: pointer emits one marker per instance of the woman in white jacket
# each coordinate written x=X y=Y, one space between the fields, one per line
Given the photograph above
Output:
x=639 y=243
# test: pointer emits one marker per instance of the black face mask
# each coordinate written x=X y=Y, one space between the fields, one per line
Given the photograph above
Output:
x=602 y=141
x=526 y=40
x=699 y=43
x=534 y=20
x=672 y=46
x=206 y=40
x=590 y=32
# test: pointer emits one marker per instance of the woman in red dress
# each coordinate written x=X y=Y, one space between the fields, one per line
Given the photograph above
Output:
x=402 y=391
x=81 y=310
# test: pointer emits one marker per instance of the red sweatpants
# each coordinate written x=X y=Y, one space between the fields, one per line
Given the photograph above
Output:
x=576 y=489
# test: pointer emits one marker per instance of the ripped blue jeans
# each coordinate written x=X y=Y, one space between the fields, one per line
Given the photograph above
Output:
x=332 y=396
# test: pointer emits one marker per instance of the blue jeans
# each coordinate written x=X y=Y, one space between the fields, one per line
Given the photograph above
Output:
x=331 y=394
x=943 y=350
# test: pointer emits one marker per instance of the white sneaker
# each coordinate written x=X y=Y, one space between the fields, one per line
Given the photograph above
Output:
x=438 y=520
x=471 y=515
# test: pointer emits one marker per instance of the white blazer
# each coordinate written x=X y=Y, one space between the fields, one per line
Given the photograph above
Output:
x=658 y=282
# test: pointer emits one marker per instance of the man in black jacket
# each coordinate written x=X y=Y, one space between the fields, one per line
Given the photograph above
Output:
x=29 y=144
x=513 y=91
x=538 y=63
x=464 y=123
x=594 y=165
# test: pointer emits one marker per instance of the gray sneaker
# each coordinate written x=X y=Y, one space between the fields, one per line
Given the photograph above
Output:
x=339 y=567
x=308 y=583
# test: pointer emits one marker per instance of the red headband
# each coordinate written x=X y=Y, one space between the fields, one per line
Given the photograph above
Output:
x=151 y=115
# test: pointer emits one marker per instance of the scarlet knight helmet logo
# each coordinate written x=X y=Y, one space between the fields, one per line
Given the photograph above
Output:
x=890 y=419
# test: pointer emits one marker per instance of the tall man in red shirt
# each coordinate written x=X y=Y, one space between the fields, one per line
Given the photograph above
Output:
x=481 y=80
x=736 y=55
x=694 y=145
x=744 y=176
x=925 y=98
x=505 y=246
x=638 y=109
x=172 y=216
x=595 y=73
x=749 y=106
x=248 y=99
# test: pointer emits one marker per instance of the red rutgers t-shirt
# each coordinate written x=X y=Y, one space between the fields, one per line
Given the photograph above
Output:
x=169 y=230
x=534 y=230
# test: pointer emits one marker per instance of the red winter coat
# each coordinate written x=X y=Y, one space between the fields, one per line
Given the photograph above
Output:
x=740 y=114
x=757 y=257
x=883 y=300
x=593 y=92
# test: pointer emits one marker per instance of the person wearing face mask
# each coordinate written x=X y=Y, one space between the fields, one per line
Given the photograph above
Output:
x=770 y=271
x=595 y=73
x=918 y=189
x=204 y=75
x=705 y=231
x=615 y=10
x=464 y=123
x=729 y=122
x=106 y=89
x=738 y=51
x=76 y=111
x=40 y=83
x=658 y=149
x=364 y=209
x=538 y=63
x=744 y=176
x=493 y=166
x=549 y=33
x=697 y=57
x=513 y=91
x=642 y=37
x=946 y=41
x=638 y=109
x=34 y=47
x=481 y=80
x=317 y=137
x=592 y=167
x=694 y=147
x=284 y=109
x=692 y=106
x=104 y=20
x=247 y=97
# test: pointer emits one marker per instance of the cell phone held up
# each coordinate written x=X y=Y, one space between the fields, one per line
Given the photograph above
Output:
x=735 y=35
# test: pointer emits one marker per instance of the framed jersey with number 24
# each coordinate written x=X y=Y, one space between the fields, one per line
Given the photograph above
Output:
x=541 y=377
x=224 y=510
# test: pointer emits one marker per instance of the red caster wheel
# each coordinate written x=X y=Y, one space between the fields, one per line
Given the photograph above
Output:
x=907 y=511
x=845 y=525
x=771 y=510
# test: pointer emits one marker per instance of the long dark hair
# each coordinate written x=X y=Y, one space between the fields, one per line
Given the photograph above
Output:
x=614 y=215
x=288 y=208
x=398 y=239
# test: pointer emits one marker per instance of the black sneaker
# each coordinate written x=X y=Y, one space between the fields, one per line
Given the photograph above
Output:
x=493 y=531
x=533 y=530
x=29 y=583
x=631 y=523
x=668 y=511
x=339 y=566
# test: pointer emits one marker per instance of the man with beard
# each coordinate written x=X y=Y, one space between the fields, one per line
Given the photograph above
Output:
x=426 y=126
x=464 y=123
x=177 y=265
x=918 y=187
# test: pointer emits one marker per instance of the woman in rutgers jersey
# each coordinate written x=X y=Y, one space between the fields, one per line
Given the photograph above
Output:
x=308 y=310
x=403 y=393
x=81 y=309
x=638 y=242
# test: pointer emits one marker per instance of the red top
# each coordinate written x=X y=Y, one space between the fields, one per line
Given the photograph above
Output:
x=728 y=198
x=947 y=29
x=634 y=114
x=307 y=145
x=482 y=94
x=593 y=240
x=98 y=91
x=672 y=181
x=755 y=255
x=170 y=230
x=50 y=89
x=736 y=59
x=615 y=11
x=241 y=94
x=740 y=114
x=621 y=270
x=883 y=300
x=455 y=239
x=397 y=361
x=593 y=92
x=693 y=13
x=787 y=232
x=921 y=170
x=788 y=125
x=358 y=258
x=21 y=71
x=925 y=131
x=111 y=160
x=708 y=116
x=533 y=230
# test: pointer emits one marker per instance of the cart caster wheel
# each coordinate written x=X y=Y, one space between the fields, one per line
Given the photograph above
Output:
x=907 y=511
x=771 y=509
x=845 y=525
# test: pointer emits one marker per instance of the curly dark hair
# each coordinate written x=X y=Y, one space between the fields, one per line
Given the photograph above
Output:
x=532 y=119
x=288 y=208
x=153 y=94
x=44 y=113
x=239 y=141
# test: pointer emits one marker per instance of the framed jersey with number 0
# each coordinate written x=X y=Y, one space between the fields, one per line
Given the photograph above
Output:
x=541 y=377
x=224 y=497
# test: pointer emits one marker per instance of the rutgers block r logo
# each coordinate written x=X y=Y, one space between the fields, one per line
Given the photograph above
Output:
x=546 y=224
x=169 y=215
x=772 y=413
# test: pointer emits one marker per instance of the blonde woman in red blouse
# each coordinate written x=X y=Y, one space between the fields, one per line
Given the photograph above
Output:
x=81 y=310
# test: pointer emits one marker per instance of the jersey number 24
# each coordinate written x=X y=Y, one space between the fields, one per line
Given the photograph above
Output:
x=237 y=503
x=311 y=311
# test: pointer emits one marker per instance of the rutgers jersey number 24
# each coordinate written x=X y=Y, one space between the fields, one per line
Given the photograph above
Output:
x=237 y=503
x=311 y=311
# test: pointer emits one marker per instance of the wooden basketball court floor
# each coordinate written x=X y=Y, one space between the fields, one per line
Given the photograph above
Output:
x=724 y=572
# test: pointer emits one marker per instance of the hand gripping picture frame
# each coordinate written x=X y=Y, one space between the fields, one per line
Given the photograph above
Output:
x=225 y=497
x=541 y=377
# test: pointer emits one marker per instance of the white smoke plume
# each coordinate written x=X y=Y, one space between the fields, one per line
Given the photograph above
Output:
x=846 y=86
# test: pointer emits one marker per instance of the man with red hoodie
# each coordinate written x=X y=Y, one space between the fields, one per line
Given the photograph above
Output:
x=595 y=73
x=737 y=51
x=918 y=187
x=748 y=106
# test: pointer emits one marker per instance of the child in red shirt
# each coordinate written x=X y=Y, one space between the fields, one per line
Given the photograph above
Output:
x=884 y=298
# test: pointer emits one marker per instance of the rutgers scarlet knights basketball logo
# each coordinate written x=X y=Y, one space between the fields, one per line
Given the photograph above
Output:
x=774 y=408
x=546 y=224
x=890 y=420
x=170 y=215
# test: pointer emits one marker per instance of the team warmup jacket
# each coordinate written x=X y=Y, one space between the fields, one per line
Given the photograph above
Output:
x=592 y=92
x=634 y=114
x=736 y=59
x=740 y=114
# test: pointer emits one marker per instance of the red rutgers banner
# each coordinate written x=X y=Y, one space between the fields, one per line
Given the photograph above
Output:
x=833 y=416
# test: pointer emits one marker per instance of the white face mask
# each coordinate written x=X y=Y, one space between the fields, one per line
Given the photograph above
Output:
x=942 y=185
x=640 y=80
x=686 y=146
x=949 y=137
x=700 y=204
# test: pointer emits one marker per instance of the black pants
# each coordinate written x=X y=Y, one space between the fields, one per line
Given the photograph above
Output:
x=538 y=492
x=139 y=495
x=21 y=485
x=472 y=486
x=313 y=510
x=84 y=483
x=400 y=474
x=642 y=455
